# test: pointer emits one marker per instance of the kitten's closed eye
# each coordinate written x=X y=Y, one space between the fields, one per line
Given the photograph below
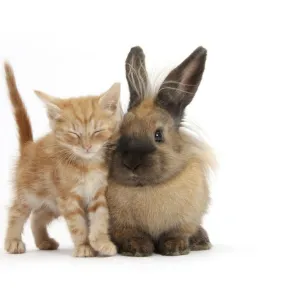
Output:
x=98 y=132
x=102 y=134
x=74 y=134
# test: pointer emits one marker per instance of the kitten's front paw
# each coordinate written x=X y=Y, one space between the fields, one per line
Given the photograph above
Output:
x=84 y=250
x=174 y=246
x=137 y=246
x=104 y=247
x=15 y=246
x=49 y=244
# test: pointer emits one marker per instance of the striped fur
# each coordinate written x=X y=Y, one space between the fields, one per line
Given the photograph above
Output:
x=65 y=172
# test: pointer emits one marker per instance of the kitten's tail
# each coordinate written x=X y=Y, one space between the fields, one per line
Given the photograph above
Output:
x=21 y=116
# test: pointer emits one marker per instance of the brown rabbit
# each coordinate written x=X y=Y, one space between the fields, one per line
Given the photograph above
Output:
x=158 y=189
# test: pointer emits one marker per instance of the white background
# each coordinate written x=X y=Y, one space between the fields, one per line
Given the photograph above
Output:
x=248 y=105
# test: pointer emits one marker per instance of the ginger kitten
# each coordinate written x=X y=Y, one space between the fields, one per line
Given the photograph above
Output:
x=65 y=172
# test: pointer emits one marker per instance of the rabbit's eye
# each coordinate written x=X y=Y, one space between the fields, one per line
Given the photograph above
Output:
x=158 y=135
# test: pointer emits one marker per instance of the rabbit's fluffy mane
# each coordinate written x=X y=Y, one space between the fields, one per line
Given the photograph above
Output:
x=148 y=88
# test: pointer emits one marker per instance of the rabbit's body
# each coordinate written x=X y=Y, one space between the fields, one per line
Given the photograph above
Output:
x=178 y=202
x=158 y=190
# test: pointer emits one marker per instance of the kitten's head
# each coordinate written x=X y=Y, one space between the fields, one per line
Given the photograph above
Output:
x=85 y=124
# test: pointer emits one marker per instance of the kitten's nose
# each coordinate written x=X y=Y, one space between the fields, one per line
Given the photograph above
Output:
x=87 y=147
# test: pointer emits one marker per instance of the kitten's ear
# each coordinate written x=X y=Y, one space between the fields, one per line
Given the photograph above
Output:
x=54 y=111
x=110 y=100
x=136 y=75
x=180 y=86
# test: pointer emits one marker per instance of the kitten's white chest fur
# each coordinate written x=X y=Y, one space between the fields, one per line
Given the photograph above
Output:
x=90 y=183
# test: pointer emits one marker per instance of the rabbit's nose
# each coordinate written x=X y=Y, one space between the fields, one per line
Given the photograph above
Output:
x=131 y=162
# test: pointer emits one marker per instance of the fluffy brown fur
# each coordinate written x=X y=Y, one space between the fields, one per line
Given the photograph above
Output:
x=158 y=189
x=65 y=172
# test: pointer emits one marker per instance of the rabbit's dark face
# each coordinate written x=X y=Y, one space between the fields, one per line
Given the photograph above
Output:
x=150 y=149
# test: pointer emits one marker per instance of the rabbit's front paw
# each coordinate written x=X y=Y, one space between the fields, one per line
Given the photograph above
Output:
x=173 y=246
x=200 y=240
x=137 y=246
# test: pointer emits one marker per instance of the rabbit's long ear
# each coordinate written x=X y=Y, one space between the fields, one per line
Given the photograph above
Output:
x=136 y=75
x=180 y=86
